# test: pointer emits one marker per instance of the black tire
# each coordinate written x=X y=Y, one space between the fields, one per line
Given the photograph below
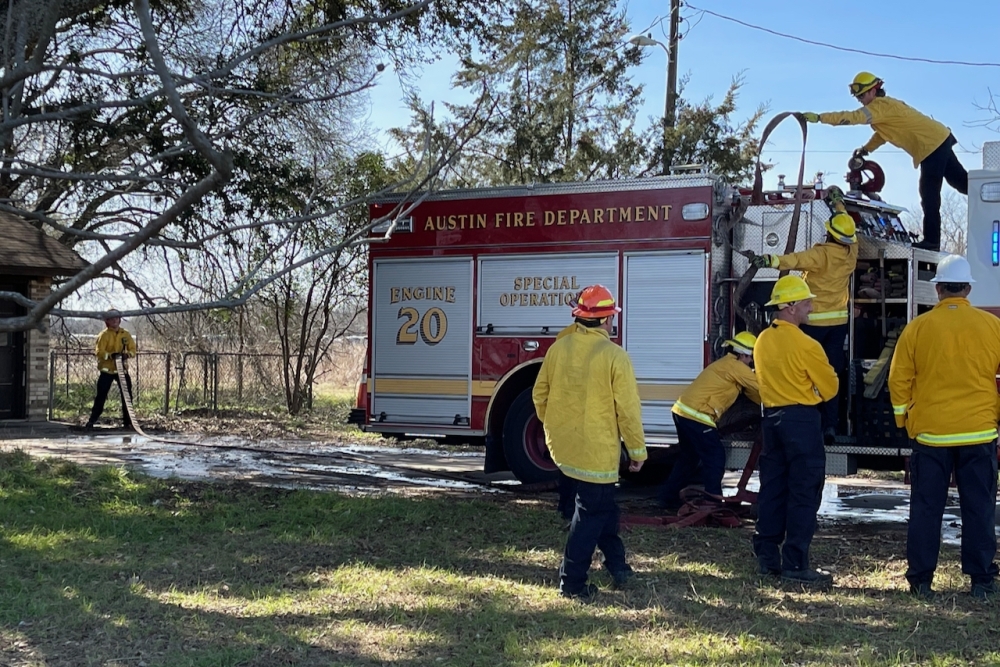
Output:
x=524 y=443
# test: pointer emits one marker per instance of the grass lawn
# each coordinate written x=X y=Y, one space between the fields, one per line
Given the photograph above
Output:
x=99 y=567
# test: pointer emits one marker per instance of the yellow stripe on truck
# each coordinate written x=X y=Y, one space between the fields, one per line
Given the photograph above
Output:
x=421 y=386
x=661 y=392
x=485 y=388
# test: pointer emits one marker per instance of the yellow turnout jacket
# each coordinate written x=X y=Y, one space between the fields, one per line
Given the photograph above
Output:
x=587 y=399
x=716 y=389
x=942 y=379
x=111 y=342
x=792 y=368
x=897 y=123
x=827 y=269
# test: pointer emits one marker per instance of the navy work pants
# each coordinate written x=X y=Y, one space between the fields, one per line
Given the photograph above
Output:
x=832 y=339
x=567 y=496
x=595 y=524
x=975 y=468
x=792 y=470
x=941 y=165
x=104 y=383
x=698 y=443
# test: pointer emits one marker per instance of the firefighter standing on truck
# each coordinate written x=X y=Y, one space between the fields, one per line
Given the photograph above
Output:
x=942 y=381
x=926 y=140
x=827 y=268
x=704 y=401
x=794 y=378
x=587 y=399
x=112 y=343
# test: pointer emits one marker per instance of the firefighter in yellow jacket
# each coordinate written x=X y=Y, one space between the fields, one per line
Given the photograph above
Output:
x=926 y=140
x=704 y=401
x=113 y=343
x=587 y=399
x=827 y=268
x=942 y=382
x=794 y=378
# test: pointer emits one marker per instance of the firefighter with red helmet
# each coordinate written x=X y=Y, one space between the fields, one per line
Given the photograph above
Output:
x=695 y=412
x=587 y=399
x=794 y=378
x=927 y=141
x=827 y=268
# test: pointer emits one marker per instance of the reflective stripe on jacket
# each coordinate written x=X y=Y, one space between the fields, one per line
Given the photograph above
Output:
x=715 y=390
x=942 y=379
x=792 y=368
x=897 y=123
x=827 y=269
x=111 y=342
x=587 y=399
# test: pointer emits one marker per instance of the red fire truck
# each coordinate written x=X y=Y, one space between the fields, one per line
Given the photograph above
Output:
x=472 y=286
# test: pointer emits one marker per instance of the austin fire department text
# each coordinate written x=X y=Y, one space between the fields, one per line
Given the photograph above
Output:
x=571 y=216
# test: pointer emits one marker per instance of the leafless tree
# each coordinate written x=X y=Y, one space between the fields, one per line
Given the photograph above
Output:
x=954 y=222
x=190 y=138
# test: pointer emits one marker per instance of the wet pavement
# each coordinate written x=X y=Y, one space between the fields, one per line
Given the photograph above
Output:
x=366 y=469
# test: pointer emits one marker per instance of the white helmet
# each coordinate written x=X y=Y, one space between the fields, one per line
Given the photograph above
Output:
x=953 y=269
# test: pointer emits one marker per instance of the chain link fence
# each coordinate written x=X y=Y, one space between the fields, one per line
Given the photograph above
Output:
x=166 y=383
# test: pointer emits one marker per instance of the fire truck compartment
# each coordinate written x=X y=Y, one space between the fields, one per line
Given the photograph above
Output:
x=664 y=329
x=422 y=341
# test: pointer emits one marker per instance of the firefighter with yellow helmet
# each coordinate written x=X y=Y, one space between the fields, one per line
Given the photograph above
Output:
x=827 y=268
x=942 y=382
x=587 y=399
x=695 y=412
x=794 y=377
x=927 y=141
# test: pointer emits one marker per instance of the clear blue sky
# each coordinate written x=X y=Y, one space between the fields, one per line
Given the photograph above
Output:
x=788 y=75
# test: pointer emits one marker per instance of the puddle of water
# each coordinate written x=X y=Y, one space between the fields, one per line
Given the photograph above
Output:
x=847 y=505
x=164 y=460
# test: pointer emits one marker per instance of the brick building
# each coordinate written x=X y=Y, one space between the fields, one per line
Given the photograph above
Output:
x=29 y=260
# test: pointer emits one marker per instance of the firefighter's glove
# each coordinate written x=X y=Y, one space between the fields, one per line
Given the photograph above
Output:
x=810 y=117
x=860 y=152
x=765 y=261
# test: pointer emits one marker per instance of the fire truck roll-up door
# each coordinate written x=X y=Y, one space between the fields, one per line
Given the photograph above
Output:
x=531 y=295
x=422 y=339
x=664 y=329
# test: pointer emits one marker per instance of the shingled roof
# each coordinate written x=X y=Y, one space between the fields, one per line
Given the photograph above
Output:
x=27 y=251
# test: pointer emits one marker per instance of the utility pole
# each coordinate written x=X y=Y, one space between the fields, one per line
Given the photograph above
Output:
x=670 y=113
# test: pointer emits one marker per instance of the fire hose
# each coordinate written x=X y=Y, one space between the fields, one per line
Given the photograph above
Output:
x=752 y=321
x=121 y=367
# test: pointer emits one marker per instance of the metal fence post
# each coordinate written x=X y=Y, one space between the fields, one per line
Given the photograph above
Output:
x=52 y=384
x=166 y=387
x=239 y=378
x=215 y=380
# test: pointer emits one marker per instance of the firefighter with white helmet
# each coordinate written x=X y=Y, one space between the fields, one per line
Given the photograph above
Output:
x=114 y=343
x=942 y=382
x=587 y=399
x=827 y=267
x=926 y=140
x=794 y=378
x=695 y=412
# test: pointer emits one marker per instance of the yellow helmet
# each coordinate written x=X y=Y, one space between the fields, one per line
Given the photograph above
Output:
x=742 y=343
x=864 y=82
x=789 y=289
x=842 y=228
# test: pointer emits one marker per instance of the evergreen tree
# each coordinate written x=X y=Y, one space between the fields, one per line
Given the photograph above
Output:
x=555 y=75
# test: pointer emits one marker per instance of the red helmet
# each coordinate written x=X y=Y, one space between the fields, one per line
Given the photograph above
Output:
x=595 y=302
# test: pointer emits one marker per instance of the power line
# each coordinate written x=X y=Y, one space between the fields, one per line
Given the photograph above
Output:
x=841 y=48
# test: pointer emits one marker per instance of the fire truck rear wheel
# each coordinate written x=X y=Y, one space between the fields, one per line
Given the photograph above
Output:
x=524 y=442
